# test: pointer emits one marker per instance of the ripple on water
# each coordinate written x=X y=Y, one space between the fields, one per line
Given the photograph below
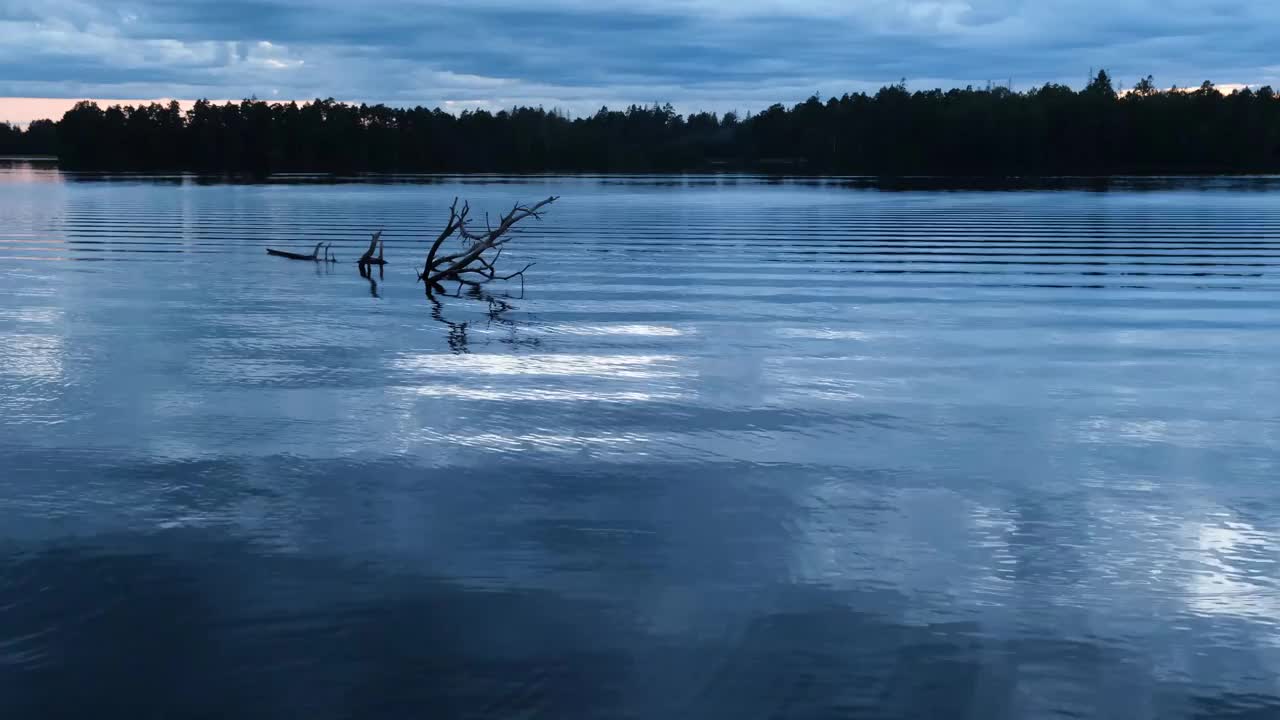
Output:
x=744 y=445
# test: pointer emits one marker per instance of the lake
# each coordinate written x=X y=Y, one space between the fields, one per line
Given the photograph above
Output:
x=745 y=447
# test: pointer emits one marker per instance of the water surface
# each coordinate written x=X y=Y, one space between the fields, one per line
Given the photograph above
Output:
x=744 y=448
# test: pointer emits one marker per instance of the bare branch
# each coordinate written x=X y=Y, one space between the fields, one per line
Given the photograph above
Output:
x=315 y=253
x=368 y=259
x=515 y=274
x=472 y=260
x=456 y=218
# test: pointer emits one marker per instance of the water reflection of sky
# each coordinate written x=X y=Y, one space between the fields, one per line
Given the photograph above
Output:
x=753 y=473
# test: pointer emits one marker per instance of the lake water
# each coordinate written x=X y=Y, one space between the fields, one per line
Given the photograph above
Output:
x=745 y=448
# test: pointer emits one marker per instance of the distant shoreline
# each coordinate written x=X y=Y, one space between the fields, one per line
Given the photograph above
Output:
x=1049 y=131
x=1131 y=181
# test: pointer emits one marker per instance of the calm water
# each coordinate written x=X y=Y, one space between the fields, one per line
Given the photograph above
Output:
x=744 y=449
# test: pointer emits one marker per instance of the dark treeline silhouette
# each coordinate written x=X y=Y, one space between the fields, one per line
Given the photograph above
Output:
x=40 y=138
x=993 y=131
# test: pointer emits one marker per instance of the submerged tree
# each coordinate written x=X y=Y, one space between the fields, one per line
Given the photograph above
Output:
x=475 y=264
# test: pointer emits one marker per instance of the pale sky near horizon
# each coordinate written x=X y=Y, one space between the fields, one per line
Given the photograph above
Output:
x=579 y=55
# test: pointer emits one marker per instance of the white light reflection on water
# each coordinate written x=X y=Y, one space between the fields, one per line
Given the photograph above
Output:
x=33 y=358
x=1234 y=572
x=542 y=394
x=632 y=367
x=32 y=378
x=664 y=331
x=825 y=334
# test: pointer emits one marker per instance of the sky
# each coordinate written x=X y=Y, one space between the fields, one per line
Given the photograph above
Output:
x=578 y=55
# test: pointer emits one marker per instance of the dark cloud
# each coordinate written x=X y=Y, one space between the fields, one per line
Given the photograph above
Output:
x=578 y=54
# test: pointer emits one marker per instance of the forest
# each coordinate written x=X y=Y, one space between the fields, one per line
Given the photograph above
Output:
x=1052 y=129
x=40 y=138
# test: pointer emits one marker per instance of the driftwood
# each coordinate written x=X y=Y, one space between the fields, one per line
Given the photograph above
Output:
x=314 y=256
x=368 y=260
x=471 y=266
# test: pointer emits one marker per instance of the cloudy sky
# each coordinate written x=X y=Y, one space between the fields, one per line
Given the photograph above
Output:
x=580 y=54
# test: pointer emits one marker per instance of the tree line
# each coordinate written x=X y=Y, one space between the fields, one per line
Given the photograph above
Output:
x=1052 y=129
x=40 y=138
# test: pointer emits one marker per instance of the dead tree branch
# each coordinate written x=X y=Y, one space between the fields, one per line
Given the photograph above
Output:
x=368 y=260
x=375 y=243
x=470 y=266
x=314 y=256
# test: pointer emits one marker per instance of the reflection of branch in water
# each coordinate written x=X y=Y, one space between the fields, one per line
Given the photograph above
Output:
x=458 y=337
x=497 y=309
x=367 y=274
x=326 y=267
x=366 y=269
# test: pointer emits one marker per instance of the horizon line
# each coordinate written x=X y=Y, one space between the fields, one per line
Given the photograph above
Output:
x=22 y=111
